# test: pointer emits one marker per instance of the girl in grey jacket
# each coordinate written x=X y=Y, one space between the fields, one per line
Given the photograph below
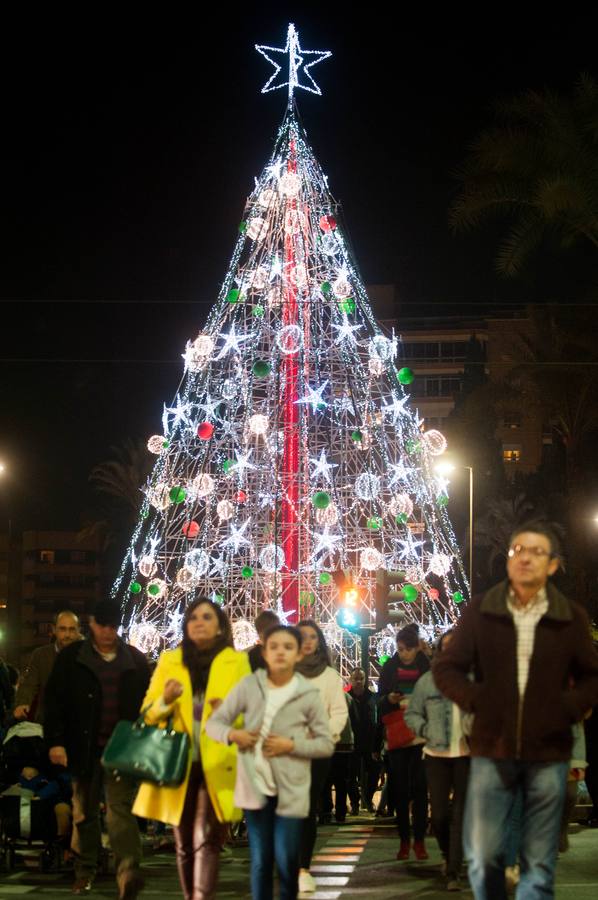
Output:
x=284 y=728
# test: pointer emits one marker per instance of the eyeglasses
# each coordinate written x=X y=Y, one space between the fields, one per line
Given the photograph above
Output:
x=518 y=549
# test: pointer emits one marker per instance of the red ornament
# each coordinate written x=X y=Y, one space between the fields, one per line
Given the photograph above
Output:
x=433 y=594
x=327 y=223
x=190 y=530
x=205 y=431
x=241 y=497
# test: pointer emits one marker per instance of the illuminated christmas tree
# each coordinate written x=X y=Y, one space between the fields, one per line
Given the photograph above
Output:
x=290 y=451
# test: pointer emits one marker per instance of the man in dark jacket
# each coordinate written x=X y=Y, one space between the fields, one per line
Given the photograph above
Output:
x=535 y=673
x=32 y=686
x=94 y=684
x=365 y=769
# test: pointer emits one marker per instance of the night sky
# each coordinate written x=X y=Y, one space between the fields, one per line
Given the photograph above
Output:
x=129 y=146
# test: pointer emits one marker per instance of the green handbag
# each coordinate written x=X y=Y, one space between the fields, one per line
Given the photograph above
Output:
x=147 y=752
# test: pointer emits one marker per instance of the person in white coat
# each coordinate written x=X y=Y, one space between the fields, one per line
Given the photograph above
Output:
x=316 y=666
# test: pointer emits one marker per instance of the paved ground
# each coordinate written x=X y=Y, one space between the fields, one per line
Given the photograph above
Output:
x=354 y=860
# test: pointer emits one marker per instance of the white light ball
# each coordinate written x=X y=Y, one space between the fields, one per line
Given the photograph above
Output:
x=229 y=388
x=375 y=365
x=289 y=339
x=258 y=280
x=274 y=297
x=257 y=229
x=371 y=559
x=400 y=504
x=158 y=495
x=413 y=575
x=144 y=637
x=294 y=221
x=244 y=634
x=157 y=588
x=329 y=244
x=290 y=184
x=341 y=288
x=440 y=563
x=386 y=646
x=258 y=424
x=328 y=516
x=367 y=486
x=147 y=566
x=204 y=344
x=225 y=510
x=380 y=347
x=156 y=444
x=203 y=485
x=196 y=362
x=435 y=442
x=185 y=578
x=272 y=558
x=267 y=198
x=198 y=561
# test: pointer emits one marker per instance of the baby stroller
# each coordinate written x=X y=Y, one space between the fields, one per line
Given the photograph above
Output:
x=29 y=794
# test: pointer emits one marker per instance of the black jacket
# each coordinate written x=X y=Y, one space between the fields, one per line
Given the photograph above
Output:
x=365 y=731
x=73 y=701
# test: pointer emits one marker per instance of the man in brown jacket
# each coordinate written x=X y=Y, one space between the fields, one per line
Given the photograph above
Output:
x=33 y=684
x=535 y=673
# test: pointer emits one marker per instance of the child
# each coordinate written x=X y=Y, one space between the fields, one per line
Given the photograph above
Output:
x=285 y=727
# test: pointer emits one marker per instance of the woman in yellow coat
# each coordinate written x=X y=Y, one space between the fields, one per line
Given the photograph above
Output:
x=188 y=684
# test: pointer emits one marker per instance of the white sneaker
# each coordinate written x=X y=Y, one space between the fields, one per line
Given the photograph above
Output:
x=307 y=883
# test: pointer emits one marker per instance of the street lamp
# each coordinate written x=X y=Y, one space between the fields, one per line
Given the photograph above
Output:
x=445 y=468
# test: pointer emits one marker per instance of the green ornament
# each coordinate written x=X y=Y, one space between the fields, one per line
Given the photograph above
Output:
x=348 y=305
x=246 y=571
x=458 y=597
x=219 y=599
x=258 y=311
x=153 y=589
x=234 y=295
x=145 y=514
x=306 y=597
x=409 y=593
x=442 y=500
x=412 y=446
x=242 y=227
x=228 y=464
x=382 y=660
x=402 y=519
x=325 y=577
x=177 y=494
x=374 y=523
x=135 y=587
x=325 y=287
x=356 y=436
x=321 y=500
x=261 y=368
x=165 y=445
x=405 y=375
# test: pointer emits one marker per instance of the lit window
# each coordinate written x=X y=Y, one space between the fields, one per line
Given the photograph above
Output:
x=511 y=453
x=47 y=556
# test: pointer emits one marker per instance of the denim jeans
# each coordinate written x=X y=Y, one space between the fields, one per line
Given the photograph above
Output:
x=273 y=838
x=491 y=795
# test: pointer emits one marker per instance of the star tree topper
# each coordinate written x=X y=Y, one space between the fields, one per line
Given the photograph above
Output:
x=296 y=63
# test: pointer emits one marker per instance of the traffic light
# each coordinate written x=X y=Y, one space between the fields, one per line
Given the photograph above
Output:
x=350 y=597
x=387 y=592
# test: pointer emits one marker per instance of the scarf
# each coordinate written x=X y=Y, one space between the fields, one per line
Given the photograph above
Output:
x=199 y=661
x=313 y=665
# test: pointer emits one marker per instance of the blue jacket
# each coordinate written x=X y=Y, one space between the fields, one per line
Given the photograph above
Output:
x=430 y=714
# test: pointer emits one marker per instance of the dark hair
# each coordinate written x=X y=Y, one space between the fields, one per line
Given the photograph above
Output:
x=265 y=620
x=289 y=629
x=322 y=647
x=441 y=639
x=409 y=635
x=108 y=612
x=539 y=526
x=199 y=661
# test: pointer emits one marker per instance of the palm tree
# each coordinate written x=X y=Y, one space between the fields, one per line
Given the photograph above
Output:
x=538 y=168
